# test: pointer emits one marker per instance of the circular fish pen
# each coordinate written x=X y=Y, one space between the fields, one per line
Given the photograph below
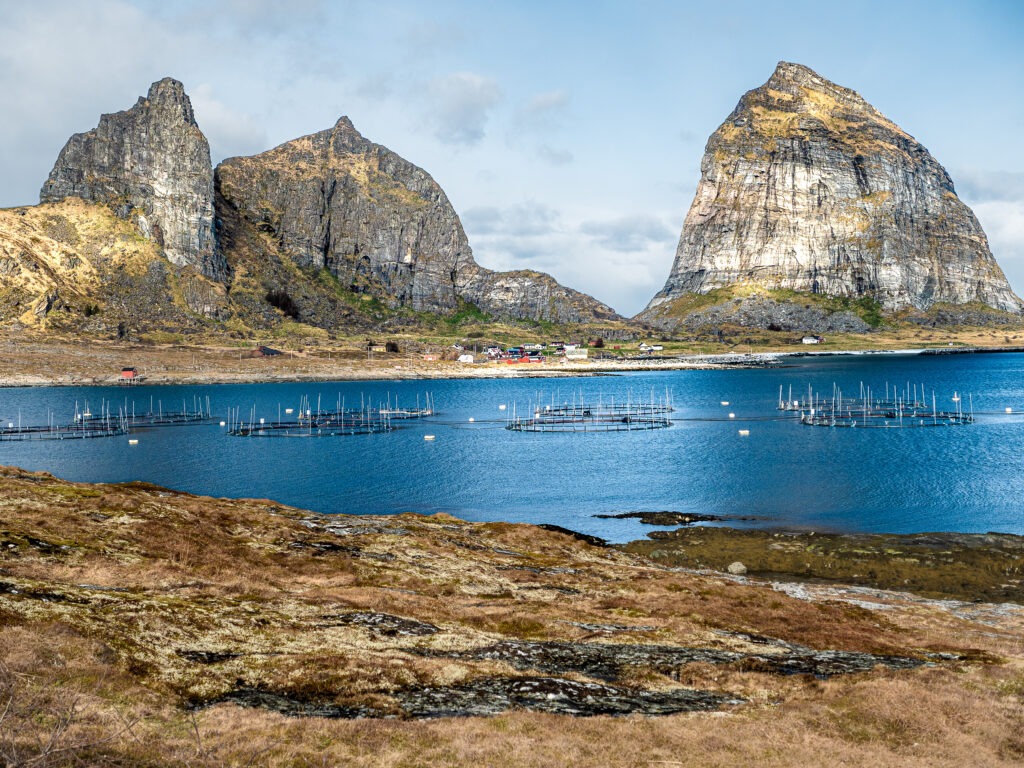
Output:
x=602 y=417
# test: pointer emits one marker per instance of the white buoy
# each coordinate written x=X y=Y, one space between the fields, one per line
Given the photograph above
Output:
x=261 y=422
x=428 y=437
x=744 y=432
x=725 y=402
x=1009 y=410
x=223 y=424
x=289 y=410
x=133 y=442
x=471 y=419
x=501 y=407
x=732 y=415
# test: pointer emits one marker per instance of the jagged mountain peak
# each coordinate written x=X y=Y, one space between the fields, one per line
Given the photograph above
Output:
x=169 y=92
x=381 y=226
x=150 y=164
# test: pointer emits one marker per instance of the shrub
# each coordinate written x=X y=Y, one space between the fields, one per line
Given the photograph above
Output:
x=280 y=299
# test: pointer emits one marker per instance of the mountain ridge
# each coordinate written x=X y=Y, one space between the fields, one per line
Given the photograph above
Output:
x=330 y=230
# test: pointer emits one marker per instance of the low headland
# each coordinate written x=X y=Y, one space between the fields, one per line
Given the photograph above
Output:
x=56 y=361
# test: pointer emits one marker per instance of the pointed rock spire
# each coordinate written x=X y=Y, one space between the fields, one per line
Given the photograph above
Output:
x=150 y=164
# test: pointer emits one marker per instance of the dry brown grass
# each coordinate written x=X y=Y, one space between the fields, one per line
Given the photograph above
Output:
x=93 y=676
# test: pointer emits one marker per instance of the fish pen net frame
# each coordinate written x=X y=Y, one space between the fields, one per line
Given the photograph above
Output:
x=908 y=411
x=339 y=422
x=602 y=417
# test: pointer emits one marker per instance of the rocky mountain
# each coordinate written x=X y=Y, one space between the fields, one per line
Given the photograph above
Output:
x=379 y=225
x=151 y=165
x=329 y=231
x=806 y=187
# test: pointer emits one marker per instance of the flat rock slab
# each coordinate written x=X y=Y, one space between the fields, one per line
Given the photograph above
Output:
x=382 y=623
x=494 y=695
x=663 y=518
x=606 y=661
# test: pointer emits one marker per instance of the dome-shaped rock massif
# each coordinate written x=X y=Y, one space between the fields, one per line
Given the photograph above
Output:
x=807 y=187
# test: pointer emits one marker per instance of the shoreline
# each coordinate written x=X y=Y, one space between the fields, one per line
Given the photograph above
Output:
x=99 y=365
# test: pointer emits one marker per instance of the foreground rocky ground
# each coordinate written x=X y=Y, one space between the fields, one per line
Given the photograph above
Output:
x=140 y=626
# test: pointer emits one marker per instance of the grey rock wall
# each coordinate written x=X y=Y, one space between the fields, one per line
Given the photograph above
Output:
x=150 y=164
x=381 y=225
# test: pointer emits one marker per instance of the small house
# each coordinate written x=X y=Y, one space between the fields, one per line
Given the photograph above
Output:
x=813 y=339
x=129 y=376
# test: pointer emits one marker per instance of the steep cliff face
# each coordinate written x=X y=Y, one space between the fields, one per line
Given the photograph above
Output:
x=379 y=225
x=151 y=165
x=807 y=187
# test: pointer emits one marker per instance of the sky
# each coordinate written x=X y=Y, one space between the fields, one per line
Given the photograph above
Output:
x=567 y=135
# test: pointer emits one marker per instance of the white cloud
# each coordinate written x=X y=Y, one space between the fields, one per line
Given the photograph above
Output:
x=226 y=129
x=458 y=106
x=546 y=103
x=997 y=199
x=975 y=184
x=630 y=233
x=1003 y=222
x=590 y=255
x=554 y=156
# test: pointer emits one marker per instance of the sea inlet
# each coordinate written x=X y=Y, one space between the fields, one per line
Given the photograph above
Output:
x=729 y=452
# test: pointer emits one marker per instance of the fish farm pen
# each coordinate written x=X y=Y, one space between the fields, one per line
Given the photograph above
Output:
x=600 y=417
x=895 y=410
x=156 y=416
x=81 y=430
x=365 y=420
x=84 y=425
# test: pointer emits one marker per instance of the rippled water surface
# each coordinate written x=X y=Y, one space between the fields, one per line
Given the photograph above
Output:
x=967 y=478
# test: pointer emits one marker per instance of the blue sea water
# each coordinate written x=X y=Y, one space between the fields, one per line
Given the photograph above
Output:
x=782 y=474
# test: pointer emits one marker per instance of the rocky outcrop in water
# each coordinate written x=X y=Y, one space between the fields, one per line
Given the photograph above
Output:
x=807 y=187
x=380 y=226
x=150 y=164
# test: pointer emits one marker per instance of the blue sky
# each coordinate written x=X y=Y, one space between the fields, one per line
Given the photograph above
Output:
x=568 y=135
